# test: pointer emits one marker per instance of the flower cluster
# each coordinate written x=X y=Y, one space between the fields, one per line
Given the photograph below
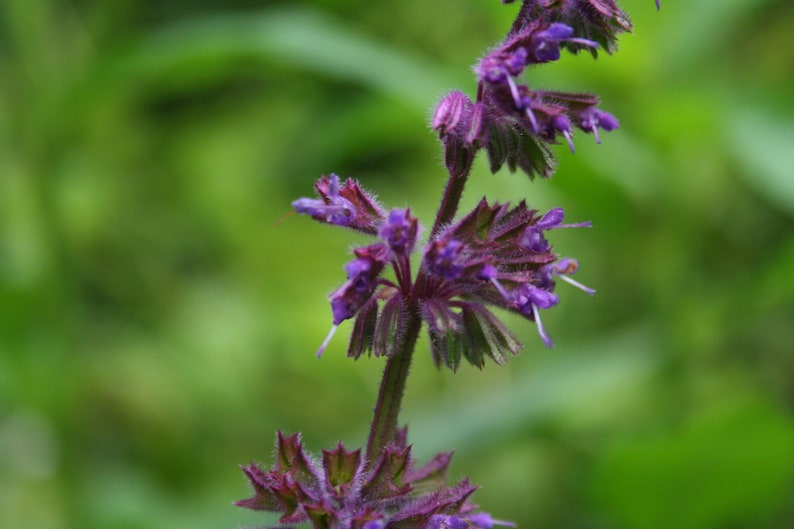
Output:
x=343 y=490
x=514 y=123
x=496 y=255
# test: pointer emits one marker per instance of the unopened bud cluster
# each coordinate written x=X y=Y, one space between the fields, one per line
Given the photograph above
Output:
x=342 y=489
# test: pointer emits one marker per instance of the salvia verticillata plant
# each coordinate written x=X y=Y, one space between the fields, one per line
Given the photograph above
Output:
x=496 y=256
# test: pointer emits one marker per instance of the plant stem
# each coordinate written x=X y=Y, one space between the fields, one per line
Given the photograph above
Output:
x=392 y=388
x=459 y=161
x=395 y=374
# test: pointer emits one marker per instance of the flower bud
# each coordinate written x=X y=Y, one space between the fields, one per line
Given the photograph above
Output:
x=451 y=113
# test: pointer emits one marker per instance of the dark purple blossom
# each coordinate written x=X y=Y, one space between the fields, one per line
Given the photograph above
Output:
x=560 y=123
x=495 y=255
x=564 y=268
x=499 y=66
x=527 y=299
x=362 y=274
x=516 y=121
x=546 y=43
x=596 y=20
x=399 y=231
x=342 y=490
x=342 y=204
x=591 y=119
x=334 y=209
x=444 y=258
x=535 y=241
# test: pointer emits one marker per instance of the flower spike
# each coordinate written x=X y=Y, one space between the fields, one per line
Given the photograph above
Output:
x=494 y=257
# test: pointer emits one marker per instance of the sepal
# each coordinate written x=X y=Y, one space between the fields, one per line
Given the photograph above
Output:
x=344 y=491
x=390 y=326
x=263 y=499
x=292 y=462
x=526 y=152
x=386 y=478
x=341 y=469
x=361 y=337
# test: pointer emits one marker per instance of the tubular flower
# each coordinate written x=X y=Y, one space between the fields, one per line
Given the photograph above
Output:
x=362 y=274
x=345 y=205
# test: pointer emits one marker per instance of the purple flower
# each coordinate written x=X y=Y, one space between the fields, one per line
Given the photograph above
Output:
x=444 y=258
x=362 y=274
x=500 y=66
x=561 y=123
x=442 y=521
x=528 y=299
x=399 y=231
x=495 y=255
x=599 y=20
x=533 y=238
x=563 y=269
x=333 y=210
x=546 y=43
x=591 y=119
x=340 y=204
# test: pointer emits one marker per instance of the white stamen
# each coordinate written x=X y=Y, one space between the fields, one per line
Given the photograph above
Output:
x=532 y=120
x=577 y=284
x=569 y=139
x=514 y=90
x=595 y=133
x=500 y=288
x=326 y=341
x=541 y=330
x=583 y=42
x=504 y=523
x=585 y=224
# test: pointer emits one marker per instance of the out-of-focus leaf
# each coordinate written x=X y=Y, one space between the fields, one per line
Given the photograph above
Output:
x=728 y=468
x=293 y=37
x=473 y=424
x=763 y=145
x=700 y=27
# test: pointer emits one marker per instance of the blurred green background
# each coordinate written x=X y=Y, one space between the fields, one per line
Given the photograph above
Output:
x=157 y=327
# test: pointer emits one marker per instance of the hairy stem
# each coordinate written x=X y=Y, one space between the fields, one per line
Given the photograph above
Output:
x=392 y=388
x=395 y=374
x=459 y=160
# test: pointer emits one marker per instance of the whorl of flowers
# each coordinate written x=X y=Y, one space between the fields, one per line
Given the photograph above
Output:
x=342 y=489
x=496 y=255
